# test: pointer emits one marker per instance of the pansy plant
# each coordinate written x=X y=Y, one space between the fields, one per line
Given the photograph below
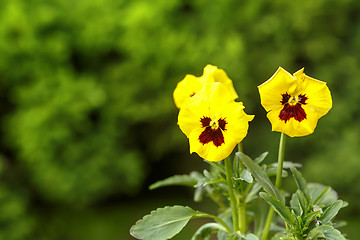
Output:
x=242 y=188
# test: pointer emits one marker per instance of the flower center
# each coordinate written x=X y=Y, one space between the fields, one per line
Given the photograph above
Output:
x=213 y=131
x=293 y=107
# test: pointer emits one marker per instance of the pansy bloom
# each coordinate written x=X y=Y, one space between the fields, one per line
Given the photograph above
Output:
x=191 y=84
x=294 y=102
x=213 y=122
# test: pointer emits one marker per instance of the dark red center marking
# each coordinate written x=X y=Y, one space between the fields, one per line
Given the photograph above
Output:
x=292 y=110
x=211 y=133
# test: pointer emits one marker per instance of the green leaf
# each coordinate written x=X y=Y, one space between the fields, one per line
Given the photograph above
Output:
x=163 y=223
x=321 y=194
x=206 y=230
x=331 y=233
x=199 y=193
x=310 y=217
x=273 y=171
x=301 y=183
x=251 y=236
x=182 y=180
x=280 y=208
x=253 y=192
x=331 y=212
x=303 y=203
x=246 y=176
x=315 y=234
x=261 y=158
x=340 y=224
x=260 y=176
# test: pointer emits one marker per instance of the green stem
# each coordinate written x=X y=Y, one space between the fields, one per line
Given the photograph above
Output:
x=242 y=204
x=277 y=184
x=231 y=194
x=240 y=147
x=216 y=218
x=268 y=223
x=242 y=215
x=280 y=161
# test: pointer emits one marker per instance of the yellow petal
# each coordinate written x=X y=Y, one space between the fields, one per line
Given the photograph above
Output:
x=190 y=115
x=318 y=94
x=214 y=74
x=271 y=91
x=292 y=127
x=209 y=151
x=238 y=121
x=186 y=88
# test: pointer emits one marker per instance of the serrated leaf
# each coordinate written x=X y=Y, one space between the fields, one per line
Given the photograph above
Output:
x=163 y=223
x=206 y=230
x=280 y=208
x=259 y=174
x=301 y=183
x=331 y=212
x=182 y=180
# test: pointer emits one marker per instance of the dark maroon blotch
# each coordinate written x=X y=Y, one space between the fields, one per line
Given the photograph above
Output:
x=293 y=111
x=212 y=135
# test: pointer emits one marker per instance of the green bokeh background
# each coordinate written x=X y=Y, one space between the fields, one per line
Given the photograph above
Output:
x=88 y=120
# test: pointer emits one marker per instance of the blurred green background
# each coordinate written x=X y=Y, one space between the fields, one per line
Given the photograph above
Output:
x=88 y=120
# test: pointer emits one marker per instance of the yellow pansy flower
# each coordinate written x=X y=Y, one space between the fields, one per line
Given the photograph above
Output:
x=294 y=102
x=213 y=122
x=191 y=84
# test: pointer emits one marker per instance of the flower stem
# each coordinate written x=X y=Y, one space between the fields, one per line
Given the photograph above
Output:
x=277 y=184
x=280 y=161
x=240 y=147
x=242 y=204
x=242 y=215
x=231 y=194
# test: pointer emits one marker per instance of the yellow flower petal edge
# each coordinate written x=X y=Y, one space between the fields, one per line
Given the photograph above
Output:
x=213 y=122
x=190 y=85
x=294 y=102
x=214 y=74
x=187 y=88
